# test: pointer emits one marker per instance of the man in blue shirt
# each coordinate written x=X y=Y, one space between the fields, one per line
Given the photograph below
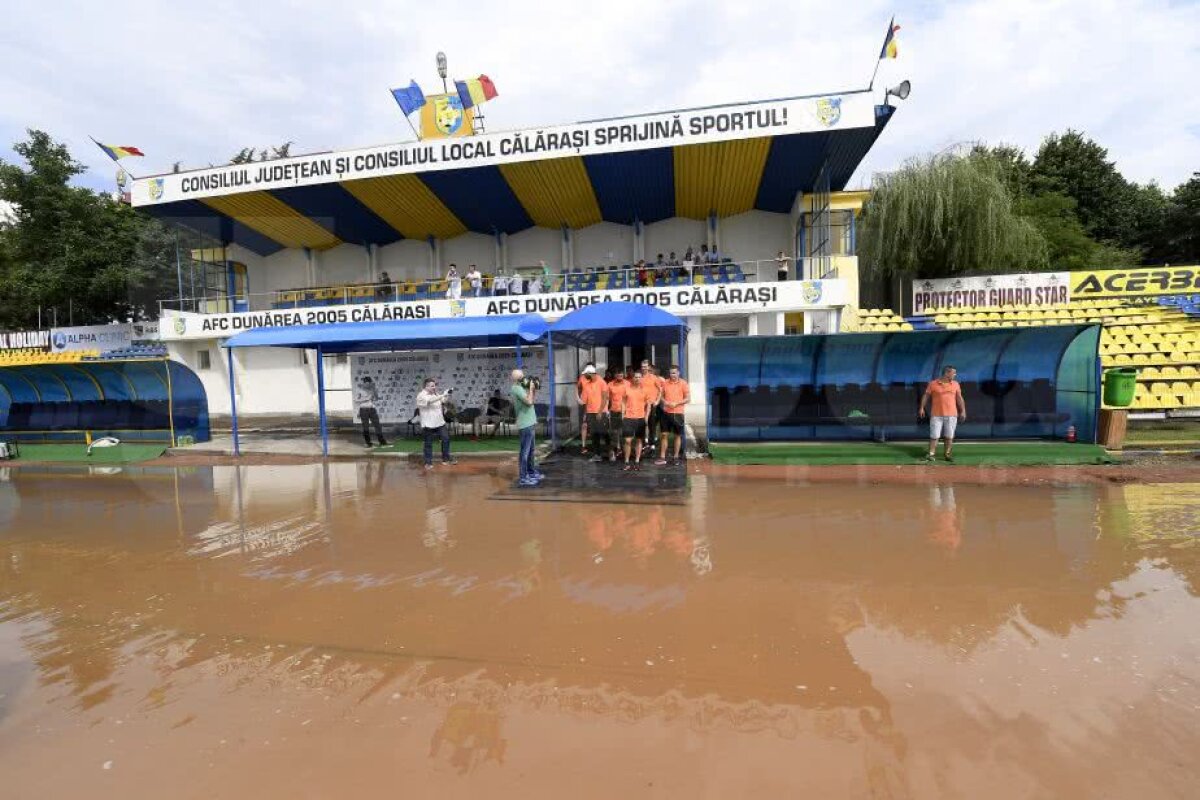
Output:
x=523 y=393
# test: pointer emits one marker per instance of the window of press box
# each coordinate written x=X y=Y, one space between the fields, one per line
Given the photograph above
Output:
x=204 y=359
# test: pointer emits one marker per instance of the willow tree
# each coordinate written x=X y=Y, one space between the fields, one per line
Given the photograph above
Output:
x=946 y=215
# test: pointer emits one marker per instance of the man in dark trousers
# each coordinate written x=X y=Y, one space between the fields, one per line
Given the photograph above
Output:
x=365 y=398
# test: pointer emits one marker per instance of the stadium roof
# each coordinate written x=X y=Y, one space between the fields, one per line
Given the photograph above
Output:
x=721 y=160
x=424 y=334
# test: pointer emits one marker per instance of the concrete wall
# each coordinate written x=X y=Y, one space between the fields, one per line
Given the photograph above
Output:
x=406 y=260
x=471 y=248
x=343 y=264
x=526 y=248
x=755 y=235
x=672 y=234
x=603 y=244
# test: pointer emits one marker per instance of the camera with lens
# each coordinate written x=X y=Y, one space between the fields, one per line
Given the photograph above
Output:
x=530 y=382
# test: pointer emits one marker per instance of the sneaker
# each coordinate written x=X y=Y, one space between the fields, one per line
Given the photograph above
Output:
x=929 y=456
x=950 y=458
x=449 y=463
x=627 y=468
x=660 y=462
x=538 y=476
x=382 y=443
x=527 y=482
x=429 y=466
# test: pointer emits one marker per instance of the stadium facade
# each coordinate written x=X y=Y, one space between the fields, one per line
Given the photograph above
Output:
x=369 y=234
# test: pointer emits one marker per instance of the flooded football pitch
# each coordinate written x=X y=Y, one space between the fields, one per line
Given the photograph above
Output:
x=366 y=630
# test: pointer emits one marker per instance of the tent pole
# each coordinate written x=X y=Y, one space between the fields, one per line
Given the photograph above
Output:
x=518 y=354
x=170 y=400
x=551 y=422
x=237 y=448
x=682 y=362
x=321 y=401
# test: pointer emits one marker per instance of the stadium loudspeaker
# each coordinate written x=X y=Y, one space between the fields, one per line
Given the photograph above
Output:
x=901 y=90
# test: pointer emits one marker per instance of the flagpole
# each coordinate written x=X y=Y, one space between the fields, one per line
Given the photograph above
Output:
x=871 y=85
x=406 y=119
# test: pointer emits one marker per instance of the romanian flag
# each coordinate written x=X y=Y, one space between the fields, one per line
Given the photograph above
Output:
x=890 y=50
x=117 y=153
x=474 y=92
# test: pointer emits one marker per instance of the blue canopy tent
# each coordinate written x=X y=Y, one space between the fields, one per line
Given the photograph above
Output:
x=614 y=324
x=145 y=399
x=374 y=337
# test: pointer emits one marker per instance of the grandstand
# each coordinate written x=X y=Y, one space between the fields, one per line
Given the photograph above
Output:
x=1160 y=339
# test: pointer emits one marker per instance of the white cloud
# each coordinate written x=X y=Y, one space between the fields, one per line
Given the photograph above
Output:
x=196 y=82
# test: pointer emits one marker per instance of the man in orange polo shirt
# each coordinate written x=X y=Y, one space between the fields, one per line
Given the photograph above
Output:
x=653 y=384
x=593 y=396
x=948 y=410
x=617 y=384
x=675 y=395
x=637 y=406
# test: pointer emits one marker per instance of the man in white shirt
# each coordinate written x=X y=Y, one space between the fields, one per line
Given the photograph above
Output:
x=516 y=285
x=475 y=281
x=500 y=285
x=535 y=285
x=433 y=422
x=453 y=283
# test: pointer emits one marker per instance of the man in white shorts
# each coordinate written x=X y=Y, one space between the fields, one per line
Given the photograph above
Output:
x=948 y=410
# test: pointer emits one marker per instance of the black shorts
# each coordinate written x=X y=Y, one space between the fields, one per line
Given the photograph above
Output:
x=616 y=424
x=671 y=423
x=594 y=422
x=635 y=429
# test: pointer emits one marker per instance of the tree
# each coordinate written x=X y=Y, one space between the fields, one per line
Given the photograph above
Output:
x=1068 y=245
x=1077 y=167
x=1013 y=167
x=946 y=215
x=84 y=255
x=1181 y=237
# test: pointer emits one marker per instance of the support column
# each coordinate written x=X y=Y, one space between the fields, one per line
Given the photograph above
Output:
x=367 y=249
x=321 y=402
x=551 y=421
x=237 y=449
x=498 y=263
x=568 y=250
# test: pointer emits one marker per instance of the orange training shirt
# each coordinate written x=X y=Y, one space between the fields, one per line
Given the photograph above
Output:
x=653 y=385
x=944 y=397
x=635 y=402
x=616 y=395
x=592 y=392
x=675 y=395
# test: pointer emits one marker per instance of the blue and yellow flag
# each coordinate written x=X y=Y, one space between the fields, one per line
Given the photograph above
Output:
x=890 y=50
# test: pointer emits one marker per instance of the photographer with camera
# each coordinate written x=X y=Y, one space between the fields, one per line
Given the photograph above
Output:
x=524 y=393
x=433 y=421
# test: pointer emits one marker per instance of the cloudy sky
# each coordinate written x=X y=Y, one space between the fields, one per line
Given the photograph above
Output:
x=195 y=82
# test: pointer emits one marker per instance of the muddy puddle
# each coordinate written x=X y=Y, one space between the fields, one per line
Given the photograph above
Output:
x=361 y=629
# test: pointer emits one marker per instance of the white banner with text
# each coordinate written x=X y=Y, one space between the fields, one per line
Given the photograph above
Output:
x=683 y=301
x=991 y=291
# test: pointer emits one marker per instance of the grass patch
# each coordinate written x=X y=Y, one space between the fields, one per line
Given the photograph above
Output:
x=901 y=453
x=124 y=453
x=505 y=444
x=1178 y=432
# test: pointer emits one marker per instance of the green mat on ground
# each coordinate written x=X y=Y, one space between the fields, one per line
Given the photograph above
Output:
x=1007 y=454
x=124 y=453
x=506 y=444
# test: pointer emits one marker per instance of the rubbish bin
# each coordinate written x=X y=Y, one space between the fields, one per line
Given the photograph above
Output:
x=1120 y=384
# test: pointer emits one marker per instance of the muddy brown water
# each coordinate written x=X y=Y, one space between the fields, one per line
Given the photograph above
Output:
x=364 y=630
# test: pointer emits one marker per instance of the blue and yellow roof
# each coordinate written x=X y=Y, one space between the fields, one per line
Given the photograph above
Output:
x=647 y=185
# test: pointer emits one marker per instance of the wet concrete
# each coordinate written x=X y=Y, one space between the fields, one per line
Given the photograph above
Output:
x=364 y=629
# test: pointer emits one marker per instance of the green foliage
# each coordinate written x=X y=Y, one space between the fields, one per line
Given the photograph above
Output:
x=1075 y=166
x=85 y=255
x=1181 y=230
x=946 y=215
x=1069 y=247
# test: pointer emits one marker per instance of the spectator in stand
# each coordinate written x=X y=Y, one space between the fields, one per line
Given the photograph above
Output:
x=689 y=261
x=453 y=283
x=545 y=273
x=500 y=285
x=672 y=260
x=660 y=266
x=714 y=257
x=386 y=288
x=702 y=256
x=535 y=285
x=781 y=266
x=643 y=276
x=516 y=284
x=475 y=281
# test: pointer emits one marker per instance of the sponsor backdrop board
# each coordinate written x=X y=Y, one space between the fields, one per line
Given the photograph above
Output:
x=991 y=291
x=473 y=374
x=1052 y=288
x=102 y=338
x=683 y=301
x=24 y=340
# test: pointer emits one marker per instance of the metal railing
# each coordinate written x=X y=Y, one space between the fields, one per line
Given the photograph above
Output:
x=532 y=281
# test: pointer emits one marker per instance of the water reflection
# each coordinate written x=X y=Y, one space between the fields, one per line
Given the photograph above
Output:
x=898 y=631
